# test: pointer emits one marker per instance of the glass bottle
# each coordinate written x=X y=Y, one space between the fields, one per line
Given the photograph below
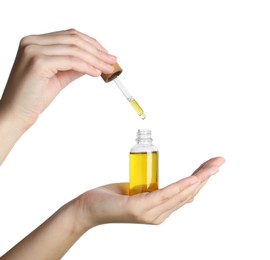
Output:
x=143 y=164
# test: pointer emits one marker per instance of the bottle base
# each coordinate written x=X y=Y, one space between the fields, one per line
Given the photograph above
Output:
x=143 y=188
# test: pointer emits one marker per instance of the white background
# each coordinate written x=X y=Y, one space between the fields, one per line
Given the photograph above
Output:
x=200 y=70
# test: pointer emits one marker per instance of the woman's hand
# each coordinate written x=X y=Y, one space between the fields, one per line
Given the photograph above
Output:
x=44 y=65
x=111 y=203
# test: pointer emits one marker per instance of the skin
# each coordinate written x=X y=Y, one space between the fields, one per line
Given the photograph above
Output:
x=44 y=65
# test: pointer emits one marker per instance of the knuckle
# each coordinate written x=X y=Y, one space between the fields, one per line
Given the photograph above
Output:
x=72 y=31
x=164 y=197
x=190 y=200
x=74 y=48
x=29 y=50
x=99 y=61
x=37 y=61
x=71 y=59
x=74 y=36
x=74 y=39
x=26 y=40
x=100 y=54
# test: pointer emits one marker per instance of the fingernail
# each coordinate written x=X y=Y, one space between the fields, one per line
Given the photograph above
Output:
x=112 y=57
x=108 y=68
x=98 y=72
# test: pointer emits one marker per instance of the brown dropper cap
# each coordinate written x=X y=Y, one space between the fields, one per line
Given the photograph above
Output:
x=116 y=72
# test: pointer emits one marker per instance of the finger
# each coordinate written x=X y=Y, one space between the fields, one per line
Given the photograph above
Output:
x=166 y=214
x=199 y=189
x=174 y=202
x=99 y=62
x=50 y=65
x=158 y=197
x=66 y=77
x=215 y=162
x=203 y=173
x=209 y=168
x=93 y=41
x=172 y=206
x=68 y=39
x=82 y=35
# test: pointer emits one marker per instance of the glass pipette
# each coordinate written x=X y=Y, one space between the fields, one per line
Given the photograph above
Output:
x=130 y=99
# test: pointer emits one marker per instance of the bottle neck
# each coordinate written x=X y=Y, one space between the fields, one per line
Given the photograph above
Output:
x=144 y=136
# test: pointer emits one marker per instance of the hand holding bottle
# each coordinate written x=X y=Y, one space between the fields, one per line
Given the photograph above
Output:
x=111 y=203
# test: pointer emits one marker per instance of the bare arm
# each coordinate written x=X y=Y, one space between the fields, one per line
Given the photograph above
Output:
x=51 y=240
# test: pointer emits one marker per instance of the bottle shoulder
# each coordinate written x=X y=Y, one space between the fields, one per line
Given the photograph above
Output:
x=138 y=148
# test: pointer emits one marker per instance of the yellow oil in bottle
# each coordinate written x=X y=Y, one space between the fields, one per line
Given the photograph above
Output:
x=143 y=172
x=136 y=107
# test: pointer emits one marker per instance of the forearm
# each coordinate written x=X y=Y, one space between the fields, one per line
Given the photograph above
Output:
x=10 y=133
x=52 y=239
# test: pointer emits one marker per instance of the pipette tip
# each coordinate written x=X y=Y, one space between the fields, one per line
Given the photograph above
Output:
x=142 y=116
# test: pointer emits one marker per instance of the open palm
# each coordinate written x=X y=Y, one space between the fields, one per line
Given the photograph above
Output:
x=112 y=204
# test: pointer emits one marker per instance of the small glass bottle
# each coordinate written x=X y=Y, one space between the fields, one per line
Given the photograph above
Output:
x=143 y=164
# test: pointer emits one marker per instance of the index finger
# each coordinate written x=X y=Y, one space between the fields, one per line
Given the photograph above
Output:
x=84 y=36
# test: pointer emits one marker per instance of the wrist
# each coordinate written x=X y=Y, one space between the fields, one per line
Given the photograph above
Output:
x=71 y=219
x=12 y=121
x=10 y=132
x=83 y=221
